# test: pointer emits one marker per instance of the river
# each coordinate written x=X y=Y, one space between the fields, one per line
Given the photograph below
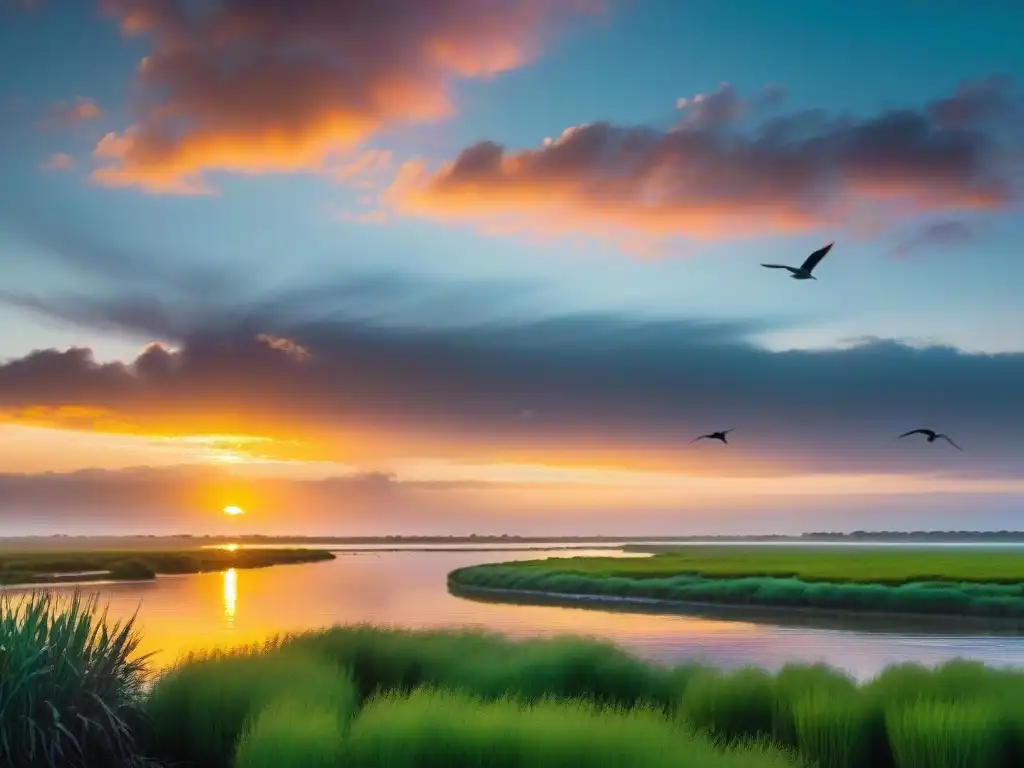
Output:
x=408 y=589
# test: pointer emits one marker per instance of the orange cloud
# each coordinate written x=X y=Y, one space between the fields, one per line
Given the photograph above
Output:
x=58 y=161
x=363 y=66
x=708 y=178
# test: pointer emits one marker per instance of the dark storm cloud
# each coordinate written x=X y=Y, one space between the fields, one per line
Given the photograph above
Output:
x=590 y=382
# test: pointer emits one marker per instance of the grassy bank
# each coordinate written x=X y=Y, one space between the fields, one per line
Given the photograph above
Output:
x=42 y=567
x=985 y=584
x=859 y=565
x=366 y=697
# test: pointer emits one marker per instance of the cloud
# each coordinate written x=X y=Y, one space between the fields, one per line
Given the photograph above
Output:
x=725 y=105
x=188 y=499
x=936 y=234
x=599 y=389
x=58 y=161
x=260 y=87
x=976 y=101
x=716 y=175
x=77 y=110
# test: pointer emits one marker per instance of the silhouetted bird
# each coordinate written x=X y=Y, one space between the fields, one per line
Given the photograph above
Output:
x=803 y=272
x=932 y=436
x=715 y=436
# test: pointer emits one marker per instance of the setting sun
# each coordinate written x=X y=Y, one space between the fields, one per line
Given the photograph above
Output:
x=233 y=510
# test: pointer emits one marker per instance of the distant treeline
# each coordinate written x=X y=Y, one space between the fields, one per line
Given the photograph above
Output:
x=957 y=536
x=917 y=535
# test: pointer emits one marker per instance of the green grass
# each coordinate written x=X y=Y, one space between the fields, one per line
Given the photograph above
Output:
x=489 y=665
x=946 y=734
x=442 y=728
x=293 y=732
x=440 y=697
x=28 y=567
x=865 y=565
x=987 y=584
x=70 y=685
x=199 y=708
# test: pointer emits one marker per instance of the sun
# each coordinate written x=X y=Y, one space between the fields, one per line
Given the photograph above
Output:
x=234 y=511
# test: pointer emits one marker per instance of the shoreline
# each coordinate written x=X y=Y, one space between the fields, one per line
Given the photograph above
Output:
x=146 y=567
x=880 y=622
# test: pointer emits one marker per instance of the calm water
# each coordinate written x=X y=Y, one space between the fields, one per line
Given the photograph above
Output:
x=181 y=613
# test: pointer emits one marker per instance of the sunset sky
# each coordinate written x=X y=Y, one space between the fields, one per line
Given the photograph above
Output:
x=454 y=266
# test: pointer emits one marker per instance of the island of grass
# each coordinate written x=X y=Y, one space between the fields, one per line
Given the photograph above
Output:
x=48 y=567
x=976 y=582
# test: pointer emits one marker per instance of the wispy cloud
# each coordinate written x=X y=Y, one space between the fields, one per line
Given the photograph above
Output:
x=58 y=161
x=77 y=110
x=939 y=234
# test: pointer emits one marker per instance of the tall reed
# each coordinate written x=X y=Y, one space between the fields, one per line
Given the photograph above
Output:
x=71 y=684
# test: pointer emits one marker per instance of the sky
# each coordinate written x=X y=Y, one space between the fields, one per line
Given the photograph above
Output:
x=489 y=266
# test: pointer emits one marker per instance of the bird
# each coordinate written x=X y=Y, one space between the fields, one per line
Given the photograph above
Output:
x=715 y=436
x=932 y=436
x=803 y=272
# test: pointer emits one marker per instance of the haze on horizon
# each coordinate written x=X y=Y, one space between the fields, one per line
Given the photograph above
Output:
x=489 y=268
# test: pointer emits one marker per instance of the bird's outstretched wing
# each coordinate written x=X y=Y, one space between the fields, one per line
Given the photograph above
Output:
x=727 y=431
x=818 y=255
x=948 y=440
x=702 y=437
x=778 y=266
x=915 y=432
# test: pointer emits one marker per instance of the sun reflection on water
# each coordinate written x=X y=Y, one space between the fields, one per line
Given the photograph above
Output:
x=230 y=595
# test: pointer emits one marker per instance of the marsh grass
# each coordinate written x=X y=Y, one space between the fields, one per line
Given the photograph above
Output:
x=442 y=728
x=491 y=666
x=665 y=577
x=946 y=734
x=736 y=705
x=22 y=567
x=417 y=688
x=865 y=565
x=292 y=732
x=71 y=684
x=834 y=730
x=199 y=708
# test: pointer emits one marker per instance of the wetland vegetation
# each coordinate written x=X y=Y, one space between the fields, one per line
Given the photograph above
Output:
x=22 y=566
x=977 y=582
x=79 y=696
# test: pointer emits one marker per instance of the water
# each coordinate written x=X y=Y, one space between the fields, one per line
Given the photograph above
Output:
x=408 y=589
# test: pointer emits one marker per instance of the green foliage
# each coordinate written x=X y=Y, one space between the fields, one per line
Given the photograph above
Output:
x=70 y=684
x=946 y=734
x=293 y=732
x=442 y=728
x=41 y=566
x=987 y=584
x=876 y=565
x=489 y=665
x=737 y=705
x=833 y=729
x=200 y=707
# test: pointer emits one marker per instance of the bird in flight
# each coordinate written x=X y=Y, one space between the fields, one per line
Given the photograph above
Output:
x=932 y=436
x=803 y=272
x=715 y=436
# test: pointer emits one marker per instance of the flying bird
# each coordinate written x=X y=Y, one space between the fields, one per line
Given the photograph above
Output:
x=803 y=272
x=715 y=436
x=932 y=436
